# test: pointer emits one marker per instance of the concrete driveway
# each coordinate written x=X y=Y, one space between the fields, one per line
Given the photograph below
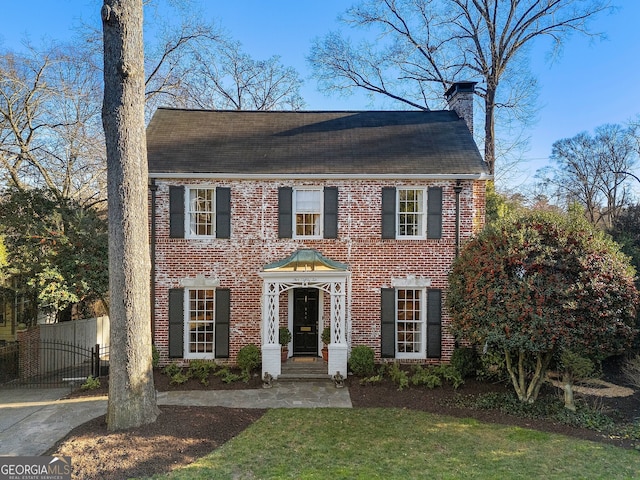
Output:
x=32 y=420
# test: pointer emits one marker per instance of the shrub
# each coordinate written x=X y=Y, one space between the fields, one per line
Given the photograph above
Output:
x=373 y=379
x=398 y=376
x=631 y=371
x=361 y=362
x=201 y=369
x=248 y=359
x=284 y=336
x=155 y=356
x=172 y=369
x=178 y=378
x=449 y=374
x=326 y=335
x=227 y=376
x=491 y=367
x=90 y=384
x=426 y=377
x=433 y=376
x=465 y=360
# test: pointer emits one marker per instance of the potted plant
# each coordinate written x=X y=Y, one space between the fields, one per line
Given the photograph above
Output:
x=284 y=338
x=326 y=340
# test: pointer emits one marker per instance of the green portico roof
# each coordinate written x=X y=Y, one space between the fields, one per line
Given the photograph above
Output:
x=305 y=260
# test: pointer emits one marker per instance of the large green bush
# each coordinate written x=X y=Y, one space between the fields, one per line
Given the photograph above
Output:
x=465 y=360
x=536 y=284
x=249 y=359
x=361 y=362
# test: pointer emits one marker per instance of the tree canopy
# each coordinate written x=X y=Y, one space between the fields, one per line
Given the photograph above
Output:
x=593 y=171
x=422 y=46
x=539 y=283
x=57 y=250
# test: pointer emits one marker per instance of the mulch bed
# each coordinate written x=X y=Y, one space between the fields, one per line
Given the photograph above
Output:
x=180 y=435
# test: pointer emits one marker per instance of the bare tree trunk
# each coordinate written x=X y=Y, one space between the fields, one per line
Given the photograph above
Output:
x=489 y=129
x=527 y=393
x=132 y=400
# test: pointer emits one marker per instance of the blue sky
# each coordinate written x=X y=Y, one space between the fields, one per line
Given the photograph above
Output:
x=592 y=83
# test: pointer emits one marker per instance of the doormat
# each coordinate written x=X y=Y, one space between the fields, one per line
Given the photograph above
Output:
x=304 y=359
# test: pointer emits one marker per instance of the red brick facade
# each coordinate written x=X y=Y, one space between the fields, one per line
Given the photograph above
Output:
x=373 y=262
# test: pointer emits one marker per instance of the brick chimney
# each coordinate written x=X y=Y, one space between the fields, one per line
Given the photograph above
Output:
x=460 y=99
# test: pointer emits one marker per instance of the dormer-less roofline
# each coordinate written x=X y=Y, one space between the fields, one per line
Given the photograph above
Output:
x=319 y=176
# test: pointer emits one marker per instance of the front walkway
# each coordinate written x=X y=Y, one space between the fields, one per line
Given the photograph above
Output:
x=33 y=420
x=280 y=395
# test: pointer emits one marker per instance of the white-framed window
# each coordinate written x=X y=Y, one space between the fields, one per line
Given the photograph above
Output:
x=307 y=212
x=411 y=208
x=200 y=218
x=410 y=322
x=199 y=337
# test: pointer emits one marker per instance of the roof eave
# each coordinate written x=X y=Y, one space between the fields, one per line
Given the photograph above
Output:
x=320 y=176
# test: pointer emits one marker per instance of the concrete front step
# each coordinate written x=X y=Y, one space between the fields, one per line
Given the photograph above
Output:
x=304 y=368
x=303 y=376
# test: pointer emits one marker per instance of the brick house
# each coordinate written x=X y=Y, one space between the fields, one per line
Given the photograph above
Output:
x=307 y=220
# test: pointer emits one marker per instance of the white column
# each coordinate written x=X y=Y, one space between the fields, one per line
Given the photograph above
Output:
x=271 y=362
x=338 y=348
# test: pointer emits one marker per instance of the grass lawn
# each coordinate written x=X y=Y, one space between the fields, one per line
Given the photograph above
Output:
x=403 y=444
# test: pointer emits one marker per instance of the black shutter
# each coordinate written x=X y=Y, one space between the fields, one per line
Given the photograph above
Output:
x=434 y=212
x=285 y=212
x=176 y=212
x=223 y=212
x=434 y=323
x=330 y=212
x=223 y=314
x=388 y=212
x=176 y=323
x=388 y=323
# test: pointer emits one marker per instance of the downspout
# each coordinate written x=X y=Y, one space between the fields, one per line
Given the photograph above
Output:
x=154 y=188
x=457 y=189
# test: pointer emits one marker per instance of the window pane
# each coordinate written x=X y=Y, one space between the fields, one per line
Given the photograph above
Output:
x=201 y=308
x=201 y=211
x=410 y=212
x=308 y=209
x=308 y=201
x=409 y=323
x=307 y=224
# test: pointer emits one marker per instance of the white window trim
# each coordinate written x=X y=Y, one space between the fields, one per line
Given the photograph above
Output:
x=187 y=209
x=422 y=354
x=187 y=333
x=295 y=214
x=423 y=233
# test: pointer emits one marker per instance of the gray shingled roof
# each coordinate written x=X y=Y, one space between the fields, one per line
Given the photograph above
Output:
x=281 y=143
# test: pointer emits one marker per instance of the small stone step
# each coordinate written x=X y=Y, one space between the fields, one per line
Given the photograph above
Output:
x=303 y=376
x=304 y=368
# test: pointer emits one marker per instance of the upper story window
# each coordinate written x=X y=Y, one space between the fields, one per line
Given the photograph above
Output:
x=307 y=207
x=308 y=212
x=201 y=212
x=411 y=212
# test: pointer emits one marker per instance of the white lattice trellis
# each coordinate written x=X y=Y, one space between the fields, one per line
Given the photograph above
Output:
x=334 y=284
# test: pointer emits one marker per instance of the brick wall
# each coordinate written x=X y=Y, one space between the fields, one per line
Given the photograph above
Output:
x=29 y=359
x=254 y=242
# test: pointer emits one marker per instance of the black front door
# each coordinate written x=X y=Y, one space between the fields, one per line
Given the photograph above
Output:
x=305 y=321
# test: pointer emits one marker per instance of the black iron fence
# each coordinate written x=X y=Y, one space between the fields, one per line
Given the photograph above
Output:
x=52 y=363
x=9 y=361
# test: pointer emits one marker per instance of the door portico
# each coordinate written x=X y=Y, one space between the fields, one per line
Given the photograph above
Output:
x=304 y=270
